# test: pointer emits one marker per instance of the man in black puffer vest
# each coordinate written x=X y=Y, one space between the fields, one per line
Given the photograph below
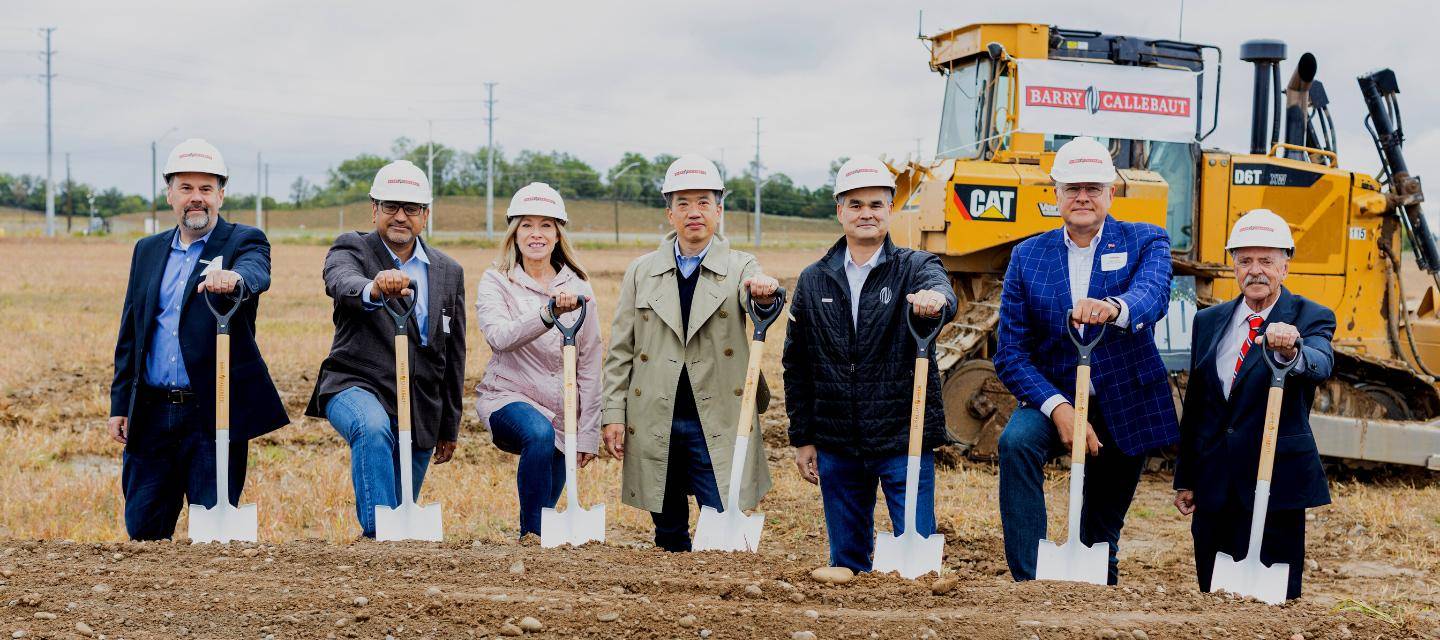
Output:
x=849 y=367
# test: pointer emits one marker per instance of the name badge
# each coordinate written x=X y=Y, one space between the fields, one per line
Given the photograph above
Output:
x=213 y=264
x=1112 y=261
x=445 y=323
x=827 y=300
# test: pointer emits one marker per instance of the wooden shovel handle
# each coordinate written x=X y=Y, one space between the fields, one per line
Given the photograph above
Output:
x=917 y=405
x=1082 y=412
x=752 y=385
x=1272 y=431
x=222 y=381
x=570 y=390
x=402 y=380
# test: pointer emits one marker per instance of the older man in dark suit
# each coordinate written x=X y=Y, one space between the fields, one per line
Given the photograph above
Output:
x=1225 y=405
x=162 y=399
x=355 y=389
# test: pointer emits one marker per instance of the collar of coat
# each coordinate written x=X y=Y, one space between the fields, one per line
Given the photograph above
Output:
x=1285 y=310
x=519 y=276
x=834 y=260
x=717 y=257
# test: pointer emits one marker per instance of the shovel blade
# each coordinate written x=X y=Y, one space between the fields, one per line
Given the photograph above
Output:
x=223 y=522
x=574 y=526
x=729 y=530
x=910 y=554
x=1250 y=577
x=409 y=521
x=1073 y=562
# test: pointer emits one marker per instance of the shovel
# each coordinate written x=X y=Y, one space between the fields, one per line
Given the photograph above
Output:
x=224 y=521
x=910 y=553
x=575 y=526
x=732 y=530
x=1250 y=577
x=409 y=521
x=1073 y=561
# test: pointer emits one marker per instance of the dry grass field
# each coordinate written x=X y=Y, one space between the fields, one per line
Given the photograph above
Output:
x=1376 y=551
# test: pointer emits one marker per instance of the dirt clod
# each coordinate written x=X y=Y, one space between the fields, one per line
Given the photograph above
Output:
x=832 y=575
x=754 y=591
x=797 y=597
x=432 y=591
x=508 y=629
x=802 y=635
x=1139 y=634
x=686 y=621
x=518 y=567
x=44 y=615
x=84 y=629
x=943 y=586
x=608 y=616
x=531 y=625
x=361 y=601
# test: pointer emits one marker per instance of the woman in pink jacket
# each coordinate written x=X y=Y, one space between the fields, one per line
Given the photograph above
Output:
x=520 y=394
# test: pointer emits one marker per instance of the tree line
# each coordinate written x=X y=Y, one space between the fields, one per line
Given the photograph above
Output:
x=456 y=172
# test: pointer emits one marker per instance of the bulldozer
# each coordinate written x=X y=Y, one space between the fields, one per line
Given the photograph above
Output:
x=1016 y=92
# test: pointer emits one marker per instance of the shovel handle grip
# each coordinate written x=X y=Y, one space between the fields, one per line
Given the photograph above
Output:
x=400 y=308
x=1081 y=346
x=762 y=321
x=752 y=385
x=569 y=332
x=917 y=405
x=924 y=343
x=237 y=297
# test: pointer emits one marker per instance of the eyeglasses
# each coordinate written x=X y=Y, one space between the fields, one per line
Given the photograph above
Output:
x=1074 y=190
x=392 y=208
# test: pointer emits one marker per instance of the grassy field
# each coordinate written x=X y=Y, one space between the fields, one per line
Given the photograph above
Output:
x=1379 y=544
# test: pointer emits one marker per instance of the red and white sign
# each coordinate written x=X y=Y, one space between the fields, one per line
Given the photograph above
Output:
x=1107 y=101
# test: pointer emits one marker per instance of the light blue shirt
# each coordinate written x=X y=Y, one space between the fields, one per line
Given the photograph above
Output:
x=418 y=269
x=165 y=364
x=688 y=264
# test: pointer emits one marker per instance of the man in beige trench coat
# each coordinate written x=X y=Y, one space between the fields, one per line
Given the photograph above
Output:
x=676 y=366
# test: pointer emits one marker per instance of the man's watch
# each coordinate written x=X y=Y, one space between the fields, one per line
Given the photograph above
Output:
x=1114 y=302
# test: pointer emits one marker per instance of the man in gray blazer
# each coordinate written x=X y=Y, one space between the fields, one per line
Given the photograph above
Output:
x=355 y=389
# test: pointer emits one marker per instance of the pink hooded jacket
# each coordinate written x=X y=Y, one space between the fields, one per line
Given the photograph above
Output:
x=526 y=364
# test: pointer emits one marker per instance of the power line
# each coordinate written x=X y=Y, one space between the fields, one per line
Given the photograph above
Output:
x=490 y=160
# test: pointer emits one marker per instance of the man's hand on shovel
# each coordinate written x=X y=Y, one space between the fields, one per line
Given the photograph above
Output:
x=220 y=281
x=1064 y=418
x=762 y=288
x=926 y=303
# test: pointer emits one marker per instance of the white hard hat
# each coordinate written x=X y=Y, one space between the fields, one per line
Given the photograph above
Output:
x=401 y=181
x=691 y=171
x=537 y=199
x=1261 y=228
x=861 y=172
x=196 y=156
x=1083 y=159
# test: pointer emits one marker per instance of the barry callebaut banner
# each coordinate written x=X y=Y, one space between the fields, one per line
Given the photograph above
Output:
x=1105 y=101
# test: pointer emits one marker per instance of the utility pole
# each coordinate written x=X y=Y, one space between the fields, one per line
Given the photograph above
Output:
x=259 y=199
x=267 y=182
x=49 y=141
x=69 y=195
x=757 y=181
x=615 y=195
x=724 y=177
x=154 y=191
x=917 y=151
x=430 y=176
x=489 y=160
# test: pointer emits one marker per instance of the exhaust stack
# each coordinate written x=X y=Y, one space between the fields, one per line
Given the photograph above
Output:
x=1266 y=55
x=1297 y=105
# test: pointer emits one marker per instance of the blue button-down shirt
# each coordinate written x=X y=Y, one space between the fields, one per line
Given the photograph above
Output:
x=165 y=364
x=688 y=264
x=418 y=269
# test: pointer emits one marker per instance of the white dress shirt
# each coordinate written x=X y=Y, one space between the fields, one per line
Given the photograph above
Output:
x=855 y=275
x=1228 y=350
x=1080 y=263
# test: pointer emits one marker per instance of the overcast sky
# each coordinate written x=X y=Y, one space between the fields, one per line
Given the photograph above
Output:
x=310 y=84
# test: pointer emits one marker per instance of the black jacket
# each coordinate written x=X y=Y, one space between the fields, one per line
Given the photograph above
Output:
x=363 y=351
x=255 y=407
x=1220 y=437
x=848 y=391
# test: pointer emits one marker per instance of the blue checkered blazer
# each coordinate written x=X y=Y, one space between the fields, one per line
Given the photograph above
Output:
x=1036 y=360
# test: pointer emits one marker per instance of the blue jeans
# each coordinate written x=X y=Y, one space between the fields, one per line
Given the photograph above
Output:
x=518 y=428
x=170 y=457
x=1028 y=442
x=688 y=473
x=847 y=491
x=372 y=433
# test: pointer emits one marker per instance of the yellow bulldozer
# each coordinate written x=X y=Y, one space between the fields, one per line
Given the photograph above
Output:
x=1014 y=93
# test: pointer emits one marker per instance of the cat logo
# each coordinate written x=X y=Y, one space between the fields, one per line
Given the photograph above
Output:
x=985 y=202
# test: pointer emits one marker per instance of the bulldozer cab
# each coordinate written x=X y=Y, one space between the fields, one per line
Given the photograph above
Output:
x=983 y=66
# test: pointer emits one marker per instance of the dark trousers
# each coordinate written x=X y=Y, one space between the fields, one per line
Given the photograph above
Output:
x=540 y=475
x=689 y=473
x=1228 y=529
x=847 y=491
x=1028 y=442
x=170 y=458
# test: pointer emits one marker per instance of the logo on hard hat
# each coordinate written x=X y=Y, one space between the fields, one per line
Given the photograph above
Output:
x=855 y=171
x=683 y=172
x=538 y=198
x=1086 y=160
x=402 y=181
x=194 y=154
x=1255 y=228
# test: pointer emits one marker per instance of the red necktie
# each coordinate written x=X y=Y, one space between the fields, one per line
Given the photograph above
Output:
x=1254 y=321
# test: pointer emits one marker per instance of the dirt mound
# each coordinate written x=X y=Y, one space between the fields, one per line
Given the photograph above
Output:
x=419 y=590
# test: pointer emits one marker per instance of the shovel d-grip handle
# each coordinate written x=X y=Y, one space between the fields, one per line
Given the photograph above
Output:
x=1271 y=433
x=569 y=332
x=401 y=308
x=1082 y=387
x=760 y=321
x=237 y=297
x=924 y=343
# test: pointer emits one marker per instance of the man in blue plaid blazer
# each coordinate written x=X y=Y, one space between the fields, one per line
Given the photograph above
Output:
x=1093 y=271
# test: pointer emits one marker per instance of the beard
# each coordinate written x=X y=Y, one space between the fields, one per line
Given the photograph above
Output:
x=400 y=236
x=196 y=222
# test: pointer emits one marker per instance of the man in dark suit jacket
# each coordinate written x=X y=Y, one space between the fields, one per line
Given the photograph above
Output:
x=1104 y=274
x=1225 y=407
x=162 y=400
x=355 y=389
